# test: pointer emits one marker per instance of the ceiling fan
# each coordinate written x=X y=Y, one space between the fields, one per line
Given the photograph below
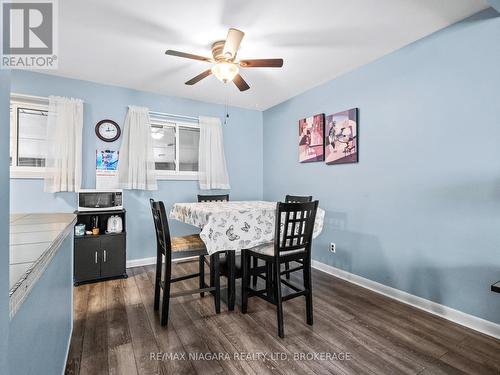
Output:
x=226 y=66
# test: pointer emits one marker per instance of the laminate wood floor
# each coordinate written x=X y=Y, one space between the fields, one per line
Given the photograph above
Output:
x=117 y=332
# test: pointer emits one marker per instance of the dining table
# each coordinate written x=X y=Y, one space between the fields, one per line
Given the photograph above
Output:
x=228 y=227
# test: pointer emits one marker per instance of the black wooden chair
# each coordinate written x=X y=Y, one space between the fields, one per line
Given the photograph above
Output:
x=229 y=267
x=213 y=198
x=295 y=199
x=288 y=199
x=230 y=262
x=176 y=248
x=292 y=242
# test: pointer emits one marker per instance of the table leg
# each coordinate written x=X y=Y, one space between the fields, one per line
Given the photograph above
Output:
x=215 y=260
x=231 y=282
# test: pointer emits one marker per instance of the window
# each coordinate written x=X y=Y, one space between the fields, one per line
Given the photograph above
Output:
x=175 y=147
x=28 y=138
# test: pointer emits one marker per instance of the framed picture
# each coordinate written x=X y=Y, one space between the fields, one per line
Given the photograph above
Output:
x=341 y=141
x=106 y=160
x=312 y=139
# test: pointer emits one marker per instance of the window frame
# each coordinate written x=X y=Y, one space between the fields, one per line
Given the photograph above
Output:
x=176 y=124
x=27 y=102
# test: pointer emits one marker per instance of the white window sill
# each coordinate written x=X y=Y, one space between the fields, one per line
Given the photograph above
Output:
x=183 y=176
x=28 y=173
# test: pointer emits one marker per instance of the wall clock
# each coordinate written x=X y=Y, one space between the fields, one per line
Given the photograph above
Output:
x=108 y=130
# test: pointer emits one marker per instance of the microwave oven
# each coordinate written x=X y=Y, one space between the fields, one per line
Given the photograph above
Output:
x=100 y=200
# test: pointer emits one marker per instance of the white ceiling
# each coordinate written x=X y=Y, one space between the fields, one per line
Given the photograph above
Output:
x=122 y=42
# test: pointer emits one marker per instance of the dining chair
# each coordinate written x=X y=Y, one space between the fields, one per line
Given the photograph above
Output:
x=288 y=199
x=213 y=198
x=230 y=264
x=295 y=199
x=176 y=248
x=292 y=242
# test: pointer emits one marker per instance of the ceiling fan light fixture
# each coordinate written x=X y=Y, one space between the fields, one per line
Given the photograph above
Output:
x=225 y=71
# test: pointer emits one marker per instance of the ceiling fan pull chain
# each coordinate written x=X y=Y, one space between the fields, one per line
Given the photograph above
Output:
x=225 y=105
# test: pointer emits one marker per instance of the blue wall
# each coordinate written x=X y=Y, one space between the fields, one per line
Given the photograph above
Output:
x=242 y=137
x=41 y=329
x=4 y=216
x=421 y=210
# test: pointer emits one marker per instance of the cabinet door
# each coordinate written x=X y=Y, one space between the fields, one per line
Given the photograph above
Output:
x=87 y=259
x=113 y=255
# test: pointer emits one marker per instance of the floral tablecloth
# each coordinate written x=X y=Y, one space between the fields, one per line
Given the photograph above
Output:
x=234 y=225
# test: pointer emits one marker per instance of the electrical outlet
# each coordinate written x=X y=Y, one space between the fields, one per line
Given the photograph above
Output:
x=333 y=248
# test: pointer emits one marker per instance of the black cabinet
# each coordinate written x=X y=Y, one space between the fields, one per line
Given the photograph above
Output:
x=112 y=256
x=102 y=256
x=87 y=263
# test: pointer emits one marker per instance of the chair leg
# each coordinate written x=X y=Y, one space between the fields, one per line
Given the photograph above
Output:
x=157 y=281
x=254 y=267
x=216 y=274
x=166 y=293
x=231 y=279
x=269 y=279
x=308 y=288
x=287 y=267
x=201 y=260
x=279 y=301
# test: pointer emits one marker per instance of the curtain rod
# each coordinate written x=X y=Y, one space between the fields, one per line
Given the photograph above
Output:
x=163 y=114
x=34 y=97
x=29 y=97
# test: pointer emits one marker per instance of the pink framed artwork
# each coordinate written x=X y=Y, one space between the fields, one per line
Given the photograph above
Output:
x=341 y=141
x=312 y=139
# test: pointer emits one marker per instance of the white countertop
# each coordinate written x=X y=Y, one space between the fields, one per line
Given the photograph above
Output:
x=34 y=239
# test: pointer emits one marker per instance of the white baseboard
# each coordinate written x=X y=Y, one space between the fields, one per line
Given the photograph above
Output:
x=459 y=317
x=141 y=262
x=148 y=261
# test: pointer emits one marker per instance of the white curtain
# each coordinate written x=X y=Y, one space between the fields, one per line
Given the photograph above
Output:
x=63 y=159
x=211 y=160
x=136 y=167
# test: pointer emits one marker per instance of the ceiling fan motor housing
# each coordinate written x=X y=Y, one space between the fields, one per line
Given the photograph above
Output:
x=217 y=51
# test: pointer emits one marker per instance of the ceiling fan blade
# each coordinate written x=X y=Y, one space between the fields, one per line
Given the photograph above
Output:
x=199 y=77
x=262 y=63
x=240 y=83
x=187 y=55
x=233 y=40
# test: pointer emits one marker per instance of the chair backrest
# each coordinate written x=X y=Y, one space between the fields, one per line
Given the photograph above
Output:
x=162 y=230
x=213 y=198
x=294 y=226
x=298 y=199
